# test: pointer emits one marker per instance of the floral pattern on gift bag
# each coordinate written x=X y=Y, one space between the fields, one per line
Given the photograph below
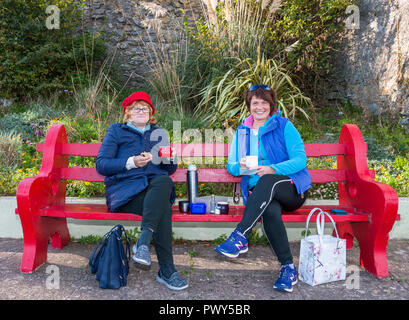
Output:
x=322 y=257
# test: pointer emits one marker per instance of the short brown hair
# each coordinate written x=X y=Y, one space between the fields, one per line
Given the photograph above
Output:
x=268 y=95
x=152 y=119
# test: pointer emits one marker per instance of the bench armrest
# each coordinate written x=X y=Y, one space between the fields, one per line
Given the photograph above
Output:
x=47 y=188
x=360 y=190
x=36 y=192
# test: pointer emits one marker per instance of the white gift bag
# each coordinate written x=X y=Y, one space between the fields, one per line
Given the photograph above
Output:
x=322 y=257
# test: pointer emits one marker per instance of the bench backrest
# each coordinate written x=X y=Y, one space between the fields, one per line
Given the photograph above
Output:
x=56 y=150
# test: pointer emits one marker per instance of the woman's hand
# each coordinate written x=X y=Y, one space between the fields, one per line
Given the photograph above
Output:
x=173 y=153
x=243 y=163
x=141 y=161
x=262 y=170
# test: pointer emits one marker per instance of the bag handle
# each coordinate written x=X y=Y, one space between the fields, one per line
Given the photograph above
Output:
x=98 y=246
x=123 y=235
x=127 y=244
x=308 y=221
x=106 y=236
x=320 y=225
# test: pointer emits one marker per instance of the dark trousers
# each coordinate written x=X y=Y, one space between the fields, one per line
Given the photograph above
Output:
x=154 y=205
x=271 y=194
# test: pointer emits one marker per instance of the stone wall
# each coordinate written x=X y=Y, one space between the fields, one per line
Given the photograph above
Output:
x=374 y=61
x=135 y=29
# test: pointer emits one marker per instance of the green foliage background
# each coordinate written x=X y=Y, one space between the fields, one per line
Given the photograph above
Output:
x=53 y=76
x=36 y=60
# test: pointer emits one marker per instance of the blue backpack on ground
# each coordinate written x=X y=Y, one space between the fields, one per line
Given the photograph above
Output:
x=111 y=261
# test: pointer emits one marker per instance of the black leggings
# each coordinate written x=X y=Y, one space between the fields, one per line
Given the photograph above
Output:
x=154 y=205
x=271 y=194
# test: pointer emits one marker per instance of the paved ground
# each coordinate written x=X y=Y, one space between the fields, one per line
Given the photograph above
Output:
x=210 y=277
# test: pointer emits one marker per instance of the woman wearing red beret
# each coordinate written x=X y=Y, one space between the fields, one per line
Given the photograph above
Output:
x=137 y=181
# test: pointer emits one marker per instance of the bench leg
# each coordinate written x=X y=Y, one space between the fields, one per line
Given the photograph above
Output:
x=372 y=250
x=36 y=236
x=61 y=236
x=34 y=252
x=345 y=232
x=372 y=247
x=381 y=202
x=363 y=193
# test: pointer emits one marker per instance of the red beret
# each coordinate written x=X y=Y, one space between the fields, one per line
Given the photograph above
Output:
x=139 y=95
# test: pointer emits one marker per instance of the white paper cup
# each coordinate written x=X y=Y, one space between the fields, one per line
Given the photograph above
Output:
x=251 y=161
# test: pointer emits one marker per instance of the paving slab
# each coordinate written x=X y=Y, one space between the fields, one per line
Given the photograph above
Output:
x=210 y=276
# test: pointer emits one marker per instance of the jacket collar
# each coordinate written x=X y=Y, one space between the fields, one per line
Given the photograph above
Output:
x=125 y=126
x=270 y=124
x=147 y=127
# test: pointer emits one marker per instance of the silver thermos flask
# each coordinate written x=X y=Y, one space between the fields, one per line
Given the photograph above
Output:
x=192 y=183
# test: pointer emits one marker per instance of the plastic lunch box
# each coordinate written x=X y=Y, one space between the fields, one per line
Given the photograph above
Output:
x=198 y=208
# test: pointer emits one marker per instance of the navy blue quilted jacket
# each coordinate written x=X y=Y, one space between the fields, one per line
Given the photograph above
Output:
x=121 y=142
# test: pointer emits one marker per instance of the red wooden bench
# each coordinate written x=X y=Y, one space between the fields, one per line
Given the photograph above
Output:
x=372 y=206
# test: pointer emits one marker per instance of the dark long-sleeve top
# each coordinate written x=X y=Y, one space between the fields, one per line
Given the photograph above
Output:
x=119 y=144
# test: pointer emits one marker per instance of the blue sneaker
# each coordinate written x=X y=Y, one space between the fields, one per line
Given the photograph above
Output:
x=174 y=282
x=287 y=278
x=141 y=255
x=234 y=245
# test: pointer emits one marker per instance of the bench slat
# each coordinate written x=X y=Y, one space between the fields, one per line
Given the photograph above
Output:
x=204 y=175
x=76 y=149
x=82 y=174
x=100 y=212
x=195 y=149
x=324 y=149
x=327 y=175
x=184 y=149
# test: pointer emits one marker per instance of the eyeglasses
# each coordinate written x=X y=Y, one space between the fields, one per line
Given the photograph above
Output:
x=257 y=86
x=139 y=110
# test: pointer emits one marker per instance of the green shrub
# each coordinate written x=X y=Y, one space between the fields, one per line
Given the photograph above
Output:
x=389 y=139
x=299 y=35
x=85 y=189
x=99 y=94
x=37 y=60
x=208 y=50
x=10 y=178
x=385 y=136
x=166 y=117
x=304 y=33
x=30 y=124
x=85 y=128
x=223 y=99
x=220 y=239
x=237 y=31
x=394 y=173
x=168 y=73
x=377 y=151
x=11 y=148
x=256 y=238
x=327 y=190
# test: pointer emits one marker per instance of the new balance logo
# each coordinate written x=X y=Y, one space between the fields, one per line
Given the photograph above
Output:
x=239 y=245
